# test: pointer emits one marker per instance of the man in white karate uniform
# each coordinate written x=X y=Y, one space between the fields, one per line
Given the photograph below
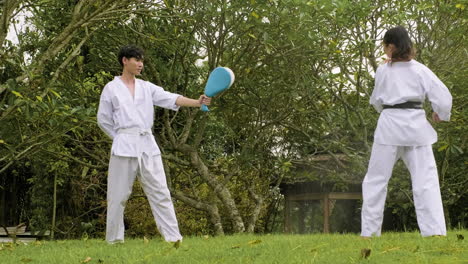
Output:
x=403 y=131
x=126 y=114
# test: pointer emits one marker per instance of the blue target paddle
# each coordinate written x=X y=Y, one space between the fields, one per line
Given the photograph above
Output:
x=219 y=80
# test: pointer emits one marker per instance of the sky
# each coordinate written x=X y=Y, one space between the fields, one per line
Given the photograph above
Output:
x=19 y=23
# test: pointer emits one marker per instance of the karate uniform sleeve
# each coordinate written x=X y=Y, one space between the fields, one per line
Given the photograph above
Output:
x=374 y=99
x=163 y=98
x=438 y=94
x=105 y=112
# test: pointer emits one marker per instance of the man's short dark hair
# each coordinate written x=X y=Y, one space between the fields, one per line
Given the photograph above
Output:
x=130 y=51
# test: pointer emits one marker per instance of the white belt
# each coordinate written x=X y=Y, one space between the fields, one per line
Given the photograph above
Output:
x=138 y=132
x=135 y=131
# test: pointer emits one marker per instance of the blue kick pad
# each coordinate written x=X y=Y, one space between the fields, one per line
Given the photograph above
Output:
x=219 y=80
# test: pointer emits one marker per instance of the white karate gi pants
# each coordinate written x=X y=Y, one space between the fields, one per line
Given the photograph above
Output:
x=425 y=182
x=122 y=172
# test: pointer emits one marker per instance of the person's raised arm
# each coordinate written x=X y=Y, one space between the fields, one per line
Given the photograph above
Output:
x=173 y=101
x=184 y=101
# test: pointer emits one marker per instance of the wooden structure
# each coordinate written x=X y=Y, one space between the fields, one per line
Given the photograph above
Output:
x=327 y=200
x=18 y=233
x=315 y=187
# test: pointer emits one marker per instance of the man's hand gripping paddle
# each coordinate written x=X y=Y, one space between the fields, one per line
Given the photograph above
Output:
x=219 y=80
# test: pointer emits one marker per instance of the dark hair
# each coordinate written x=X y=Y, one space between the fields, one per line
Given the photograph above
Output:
x=130 y=51
x=398 y=36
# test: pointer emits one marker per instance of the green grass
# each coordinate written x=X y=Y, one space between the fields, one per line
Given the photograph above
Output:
x=317 y=248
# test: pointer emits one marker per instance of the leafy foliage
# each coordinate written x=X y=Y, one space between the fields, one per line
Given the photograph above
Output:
x=304 y=72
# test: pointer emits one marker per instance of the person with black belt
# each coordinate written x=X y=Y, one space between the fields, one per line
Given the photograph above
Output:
x=403 y=131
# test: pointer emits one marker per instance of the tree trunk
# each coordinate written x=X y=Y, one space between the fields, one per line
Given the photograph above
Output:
x=221 y=192
x=258 y=199
x=212 y=210
x=54 y=208
x=9 y=6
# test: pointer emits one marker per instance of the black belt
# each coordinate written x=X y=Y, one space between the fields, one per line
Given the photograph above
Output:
x=412 y=105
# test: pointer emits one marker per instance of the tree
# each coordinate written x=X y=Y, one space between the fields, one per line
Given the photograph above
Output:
x=304 y=72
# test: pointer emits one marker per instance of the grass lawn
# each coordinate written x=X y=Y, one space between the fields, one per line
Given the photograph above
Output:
x=250 y=248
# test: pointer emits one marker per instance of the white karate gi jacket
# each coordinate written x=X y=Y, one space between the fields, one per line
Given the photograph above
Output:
x=401 y=82
x=118 y=110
